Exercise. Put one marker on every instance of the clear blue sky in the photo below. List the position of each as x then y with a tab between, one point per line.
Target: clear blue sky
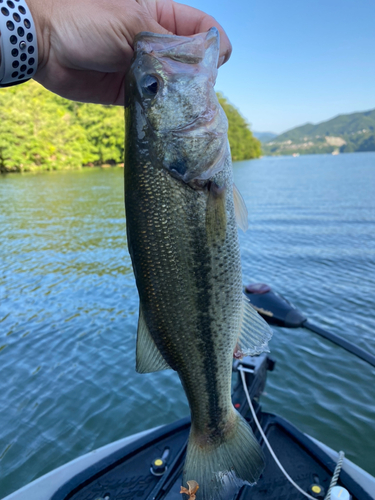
296	61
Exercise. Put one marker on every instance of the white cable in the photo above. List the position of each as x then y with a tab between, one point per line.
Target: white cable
266	440
336	474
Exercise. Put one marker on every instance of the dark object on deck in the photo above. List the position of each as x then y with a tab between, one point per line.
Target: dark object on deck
126	475
276	310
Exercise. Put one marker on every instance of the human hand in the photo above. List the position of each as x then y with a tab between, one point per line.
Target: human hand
85	46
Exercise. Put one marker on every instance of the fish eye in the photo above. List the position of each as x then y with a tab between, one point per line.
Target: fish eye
150	85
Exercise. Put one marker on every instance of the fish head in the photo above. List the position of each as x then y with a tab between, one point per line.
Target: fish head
171	87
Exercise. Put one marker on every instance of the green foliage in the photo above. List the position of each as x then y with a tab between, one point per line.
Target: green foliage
365	143
40	130
105	131
243	145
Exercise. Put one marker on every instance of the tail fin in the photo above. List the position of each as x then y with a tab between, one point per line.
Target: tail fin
220	470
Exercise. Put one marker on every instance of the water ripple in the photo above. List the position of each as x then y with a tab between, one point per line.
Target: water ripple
69	309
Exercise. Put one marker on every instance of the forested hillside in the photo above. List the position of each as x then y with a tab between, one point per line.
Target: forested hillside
344	133
42	131
243	144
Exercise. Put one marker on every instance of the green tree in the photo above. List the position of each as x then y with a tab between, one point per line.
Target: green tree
243	145
40	130
368	143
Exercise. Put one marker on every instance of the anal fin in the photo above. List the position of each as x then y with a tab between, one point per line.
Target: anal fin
148	357
254	333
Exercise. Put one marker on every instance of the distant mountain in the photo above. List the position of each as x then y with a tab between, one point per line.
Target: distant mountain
344	133
264	136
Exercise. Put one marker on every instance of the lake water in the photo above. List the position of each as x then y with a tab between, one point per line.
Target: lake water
69	308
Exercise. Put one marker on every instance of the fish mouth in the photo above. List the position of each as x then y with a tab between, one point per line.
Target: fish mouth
186	49
202	125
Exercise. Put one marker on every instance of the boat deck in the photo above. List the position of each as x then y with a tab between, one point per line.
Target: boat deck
126	475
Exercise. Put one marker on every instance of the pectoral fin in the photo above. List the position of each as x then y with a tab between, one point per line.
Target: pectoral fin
255	333
148	357
216	215
240	210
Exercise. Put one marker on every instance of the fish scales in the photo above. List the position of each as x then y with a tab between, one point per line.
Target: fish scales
182	238
186	284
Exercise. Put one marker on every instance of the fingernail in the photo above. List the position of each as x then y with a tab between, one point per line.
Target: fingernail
221	60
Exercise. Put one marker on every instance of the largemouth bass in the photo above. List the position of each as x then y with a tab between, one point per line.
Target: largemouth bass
183	241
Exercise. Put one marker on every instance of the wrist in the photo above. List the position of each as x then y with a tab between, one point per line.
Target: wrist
19	49
24	39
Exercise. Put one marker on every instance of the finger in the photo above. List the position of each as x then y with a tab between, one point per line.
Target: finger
139	19
184	20
84	86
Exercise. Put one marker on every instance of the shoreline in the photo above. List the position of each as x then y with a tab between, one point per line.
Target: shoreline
38	169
